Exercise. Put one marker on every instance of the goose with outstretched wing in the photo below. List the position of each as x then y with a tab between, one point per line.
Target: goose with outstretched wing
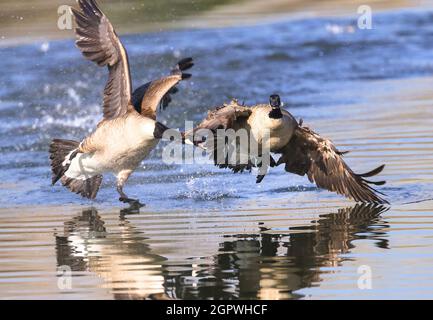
129	130
302	151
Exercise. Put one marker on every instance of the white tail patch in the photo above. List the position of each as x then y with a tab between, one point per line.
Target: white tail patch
83	167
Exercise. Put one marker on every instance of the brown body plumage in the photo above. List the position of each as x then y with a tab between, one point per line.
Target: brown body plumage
127	133
302	151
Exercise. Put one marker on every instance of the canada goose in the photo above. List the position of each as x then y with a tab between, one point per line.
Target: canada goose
124	137
303	151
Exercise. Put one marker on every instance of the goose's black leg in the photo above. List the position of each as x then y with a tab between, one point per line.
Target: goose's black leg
124	198
272	164
122	177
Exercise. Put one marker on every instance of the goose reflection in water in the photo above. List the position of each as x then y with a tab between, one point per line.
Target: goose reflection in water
122	259
265	265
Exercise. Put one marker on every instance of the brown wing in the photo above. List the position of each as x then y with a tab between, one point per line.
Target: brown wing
138	94
318	158
225	117
218	121
99	43
156	90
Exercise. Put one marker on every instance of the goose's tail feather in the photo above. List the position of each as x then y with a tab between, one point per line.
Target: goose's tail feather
86	188
62	152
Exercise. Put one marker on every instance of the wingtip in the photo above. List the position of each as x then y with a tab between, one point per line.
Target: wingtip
382	201
181	66
185	63
377	200
90	7
373	172
377	183
379	197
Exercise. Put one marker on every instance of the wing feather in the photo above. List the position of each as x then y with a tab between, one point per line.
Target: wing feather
224	117
228	116
98	42
309	154
149	96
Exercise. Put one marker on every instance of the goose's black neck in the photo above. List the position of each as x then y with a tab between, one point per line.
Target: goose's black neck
275	103
275	113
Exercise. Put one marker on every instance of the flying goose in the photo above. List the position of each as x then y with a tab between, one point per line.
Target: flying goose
127	133
303	151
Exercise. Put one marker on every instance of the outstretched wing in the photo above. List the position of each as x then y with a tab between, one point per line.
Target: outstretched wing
228	116
99	43
149	96
138	94
222	146
318	158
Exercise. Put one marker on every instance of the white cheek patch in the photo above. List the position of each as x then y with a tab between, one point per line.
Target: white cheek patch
82	167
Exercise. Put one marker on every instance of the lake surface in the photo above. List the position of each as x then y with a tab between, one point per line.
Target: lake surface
207	233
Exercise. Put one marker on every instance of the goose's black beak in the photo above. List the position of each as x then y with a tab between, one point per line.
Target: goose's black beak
274	101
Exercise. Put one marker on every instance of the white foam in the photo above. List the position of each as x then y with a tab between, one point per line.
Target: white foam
339	29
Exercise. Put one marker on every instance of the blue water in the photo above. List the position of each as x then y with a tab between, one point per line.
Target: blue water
58	94
206	232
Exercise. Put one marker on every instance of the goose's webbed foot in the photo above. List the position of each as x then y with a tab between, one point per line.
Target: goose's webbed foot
130	201
134	206
260	178
134	203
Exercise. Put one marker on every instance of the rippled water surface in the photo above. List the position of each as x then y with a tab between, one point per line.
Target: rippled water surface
206	233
